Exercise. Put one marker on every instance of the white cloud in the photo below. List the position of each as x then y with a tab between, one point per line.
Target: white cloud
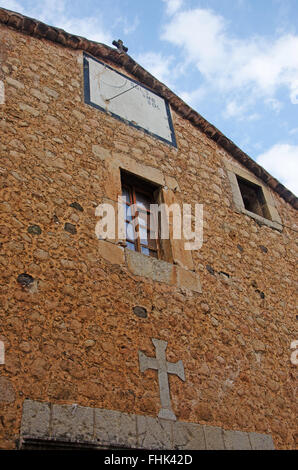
157	65
87	27
12	5
275	104
253	117
294	92
195	96
257	66
239	111
128	25
234	109
57	13
173	6
293	131
281	161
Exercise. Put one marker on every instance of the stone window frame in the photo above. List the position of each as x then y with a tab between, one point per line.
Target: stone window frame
134	185
233	172
179	269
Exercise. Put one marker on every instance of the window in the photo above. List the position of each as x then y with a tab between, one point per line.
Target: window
141	221
253	198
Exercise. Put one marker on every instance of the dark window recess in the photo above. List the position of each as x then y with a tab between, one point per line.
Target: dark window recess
253	198
141	223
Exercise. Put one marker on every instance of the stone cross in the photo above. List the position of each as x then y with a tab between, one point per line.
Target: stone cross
163	368
120	46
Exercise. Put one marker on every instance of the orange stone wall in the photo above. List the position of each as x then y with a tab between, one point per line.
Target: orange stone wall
74	337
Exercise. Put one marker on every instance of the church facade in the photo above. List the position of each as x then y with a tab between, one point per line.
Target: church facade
178	342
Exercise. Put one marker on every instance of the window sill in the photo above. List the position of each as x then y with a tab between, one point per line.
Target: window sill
260	219
233	172
161	271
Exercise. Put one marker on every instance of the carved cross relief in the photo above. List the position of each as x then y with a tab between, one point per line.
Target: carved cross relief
163	368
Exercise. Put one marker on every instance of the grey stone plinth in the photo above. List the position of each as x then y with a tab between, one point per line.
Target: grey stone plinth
112	428
154	433
214	438
187	436
35	419
261	441
101	428
236	440
72	422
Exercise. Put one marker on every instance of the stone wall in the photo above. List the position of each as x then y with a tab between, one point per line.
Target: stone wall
72	335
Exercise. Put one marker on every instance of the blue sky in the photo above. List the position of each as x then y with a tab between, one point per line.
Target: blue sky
234	61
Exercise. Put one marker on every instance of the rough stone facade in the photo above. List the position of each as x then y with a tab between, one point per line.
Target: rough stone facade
71	334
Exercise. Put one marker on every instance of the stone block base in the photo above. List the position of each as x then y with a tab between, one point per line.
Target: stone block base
98	428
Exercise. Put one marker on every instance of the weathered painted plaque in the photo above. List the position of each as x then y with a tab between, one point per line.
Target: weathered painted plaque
125	99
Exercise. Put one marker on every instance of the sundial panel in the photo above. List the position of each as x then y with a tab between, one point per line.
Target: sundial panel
128	100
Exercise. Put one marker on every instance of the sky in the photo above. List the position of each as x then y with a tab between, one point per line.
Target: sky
234	61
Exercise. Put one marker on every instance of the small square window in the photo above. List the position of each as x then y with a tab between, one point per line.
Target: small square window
253	198
141	221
